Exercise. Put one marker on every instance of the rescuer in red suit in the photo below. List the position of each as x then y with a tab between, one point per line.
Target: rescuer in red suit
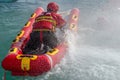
44	30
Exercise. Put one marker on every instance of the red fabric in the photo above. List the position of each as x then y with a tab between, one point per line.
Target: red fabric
48	25
43	25
60	21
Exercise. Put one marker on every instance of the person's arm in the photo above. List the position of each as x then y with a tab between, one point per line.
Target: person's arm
60	22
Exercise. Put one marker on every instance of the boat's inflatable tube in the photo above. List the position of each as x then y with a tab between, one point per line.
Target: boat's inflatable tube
21	64
73	19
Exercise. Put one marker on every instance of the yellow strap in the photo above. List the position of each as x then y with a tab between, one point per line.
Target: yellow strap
27	24
46	18
25	64
42	30
75	17
53	51
43	17
25	61
73	27
21	33
53	21
13	50
33	15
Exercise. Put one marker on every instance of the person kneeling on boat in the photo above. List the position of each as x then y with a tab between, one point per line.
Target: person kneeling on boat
44	30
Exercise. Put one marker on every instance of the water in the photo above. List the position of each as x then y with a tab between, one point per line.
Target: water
1	1
94	52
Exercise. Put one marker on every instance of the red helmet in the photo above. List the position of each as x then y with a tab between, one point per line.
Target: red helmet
52	6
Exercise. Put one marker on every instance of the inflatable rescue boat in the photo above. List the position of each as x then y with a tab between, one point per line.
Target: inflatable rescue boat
20	64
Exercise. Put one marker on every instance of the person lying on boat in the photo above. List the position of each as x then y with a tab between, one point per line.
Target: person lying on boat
44	30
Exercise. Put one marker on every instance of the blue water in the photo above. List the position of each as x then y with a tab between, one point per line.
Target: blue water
1	1
96	54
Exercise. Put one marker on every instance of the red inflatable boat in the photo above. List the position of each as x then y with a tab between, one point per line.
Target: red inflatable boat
21	64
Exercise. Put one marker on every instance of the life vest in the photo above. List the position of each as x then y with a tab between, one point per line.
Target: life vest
44	22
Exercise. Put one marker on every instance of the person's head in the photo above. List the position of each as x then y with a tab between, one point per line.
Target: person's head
52	7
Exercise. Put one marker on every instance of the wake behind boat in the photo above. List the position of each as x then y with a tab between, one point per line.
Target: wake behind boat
21	64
